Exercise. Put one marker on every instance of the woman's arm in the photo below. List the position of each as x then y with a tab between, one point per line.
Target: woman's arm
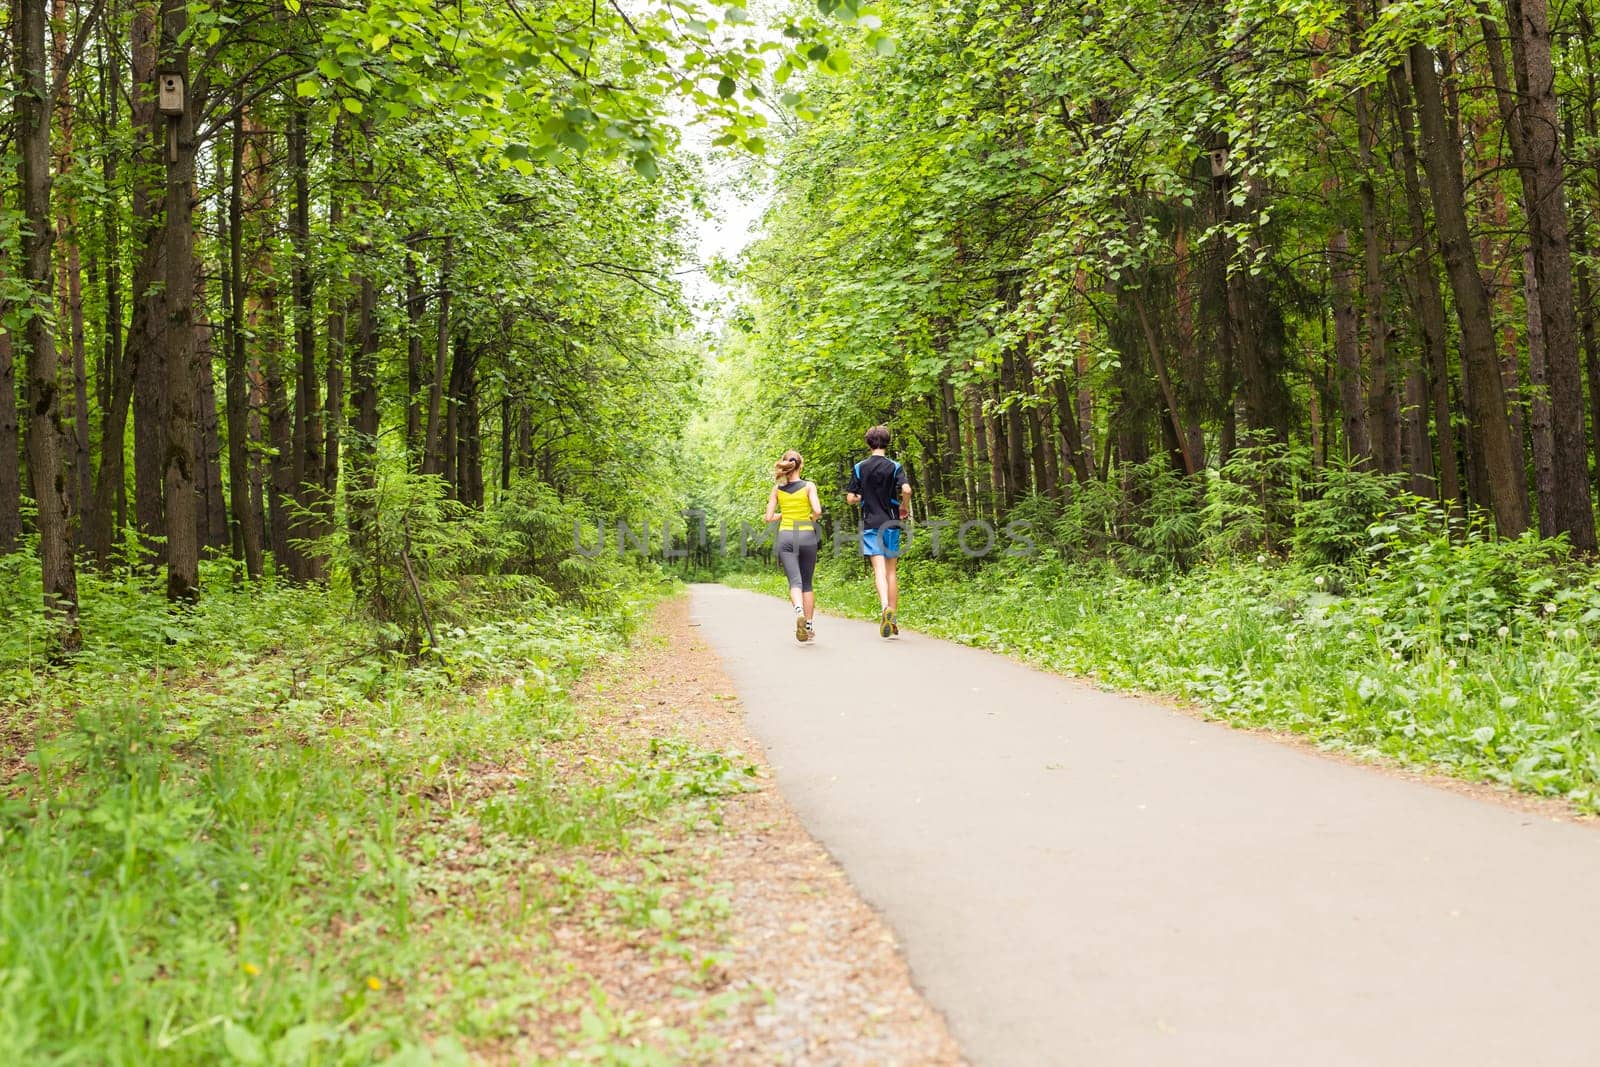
816	502
772	505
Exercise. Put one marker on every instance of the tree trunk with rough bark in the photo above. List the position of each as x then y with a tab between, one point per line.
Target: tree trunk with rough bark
1430	304
304	526
45	431
246	520
1568	506
183	547
10	458
1347	352
70	278
145	340
1487	394
432	458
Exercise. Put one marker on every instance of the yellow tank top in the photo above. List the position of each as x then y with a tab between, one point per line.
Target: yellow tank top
794	507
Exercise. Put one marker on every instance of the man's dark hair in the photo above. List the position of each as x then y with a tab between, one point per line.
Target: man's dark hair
878	437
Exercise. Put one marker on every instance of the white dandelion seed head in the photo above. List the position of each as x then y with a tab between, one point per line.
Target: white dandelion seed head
1504	631
1318	580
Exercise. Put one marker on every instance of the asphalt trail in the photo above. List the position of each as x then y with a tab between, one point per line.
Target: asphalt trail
1087	879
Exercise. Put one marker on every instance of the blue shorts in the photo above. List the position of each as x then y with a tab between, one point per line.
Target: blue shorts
884	542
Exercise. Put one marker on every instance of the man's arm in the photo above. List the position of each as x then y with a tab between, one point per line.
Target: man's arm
905	500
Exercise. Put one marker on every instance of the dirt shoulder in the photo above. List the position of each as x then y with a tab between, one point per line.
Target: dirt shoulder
805	972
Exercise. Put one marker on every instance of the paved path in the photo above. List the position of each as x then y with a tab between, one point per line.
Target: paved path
1086	879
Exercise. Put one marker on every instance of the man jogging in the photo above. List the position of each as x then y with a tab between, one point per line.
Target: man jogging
879	485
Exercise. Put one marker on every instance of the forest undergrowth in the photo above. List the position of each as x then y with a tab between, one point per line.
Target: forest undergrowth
258	832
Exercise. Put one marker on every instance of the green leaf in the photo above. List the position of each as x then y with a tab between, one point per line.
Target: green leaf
884	45
817	52
244	1046
352	105
726	86
306	87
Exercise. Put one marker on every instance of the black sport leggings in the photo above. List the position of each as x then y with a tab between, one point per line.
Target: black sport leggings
797	552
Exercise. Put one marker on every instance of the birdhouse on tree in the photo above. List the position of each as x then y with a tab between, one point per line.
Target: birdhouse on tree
169	94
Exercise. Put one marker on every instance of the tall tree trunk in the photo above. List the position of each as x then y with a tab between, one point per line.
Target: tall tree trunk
338	298
432	460
116	378
1085	393
1416	451
364	441
982	465
308	439
145	342
280	436
208	436
1586	325
236	382
1540	426
32	110
1040	457
507	428
455	395
1347	351
415	304
1072	448
1580	243
1487	394
183	548
469	468
956	464
1430	305
70	281
1568	507
1192	368
10	460
1179	437
1382	402
999	455
1016	434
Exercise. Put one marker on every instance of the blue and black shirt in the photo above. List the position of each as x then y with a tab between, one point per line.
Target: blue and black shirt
878	481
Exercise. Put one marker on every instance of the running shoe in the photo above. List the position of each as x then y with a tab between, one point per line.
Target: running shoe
811	631
801	629
894	623
886	623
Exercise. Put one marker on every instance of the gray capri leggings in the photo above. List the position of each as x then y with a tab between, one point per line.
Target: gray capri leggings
797	552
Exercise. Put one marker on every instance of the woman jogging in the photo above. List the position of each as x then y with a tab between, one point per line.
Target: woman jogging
794	506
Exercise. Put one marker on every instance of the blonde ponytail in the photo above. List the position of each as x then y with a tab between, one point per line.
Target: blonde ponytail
789	465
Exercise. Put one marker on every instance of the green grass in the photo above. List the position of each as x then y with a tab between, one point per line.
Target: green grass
250	834
1475	658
